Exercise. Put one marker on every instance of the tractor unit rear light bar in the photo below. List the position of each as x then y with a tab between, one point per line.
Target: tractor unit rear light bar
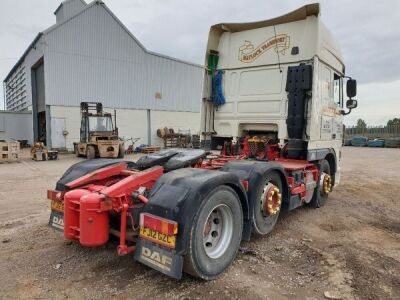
158	224
53	195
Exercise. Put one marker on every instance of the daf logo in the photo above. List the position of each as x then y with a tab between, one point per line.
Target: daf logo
58	221
156	258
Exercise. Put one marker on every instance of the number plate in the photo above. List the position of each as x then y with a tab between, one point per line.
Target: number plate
57	205
157	237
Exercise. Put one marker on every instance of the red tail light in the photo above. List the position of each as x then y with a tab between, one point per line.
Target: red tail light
158	224
52	195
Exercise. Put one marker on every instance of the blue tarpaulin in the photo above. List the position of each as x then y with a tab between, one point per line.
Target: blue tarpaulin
376	143
359	141
218	97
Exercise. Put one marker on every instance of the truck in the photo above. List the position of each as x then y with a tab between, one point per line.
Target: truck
98	135
273	106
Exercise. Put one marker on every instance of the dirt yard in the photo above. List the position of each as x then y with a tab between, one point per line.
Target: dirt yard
349	249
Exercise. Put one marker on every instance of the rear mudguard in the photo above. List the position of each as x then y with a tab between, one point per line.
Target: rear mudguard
253	172
177	196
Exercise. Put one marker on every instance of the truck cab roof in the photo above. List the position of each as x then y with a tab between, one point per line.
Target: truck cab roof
297	36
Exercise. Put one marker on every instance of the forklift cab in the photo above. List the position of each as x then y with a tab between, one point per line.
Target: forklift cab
98	135
92	124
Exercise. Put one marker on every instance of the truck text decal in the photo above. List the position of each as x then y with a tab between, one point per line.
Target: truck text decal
154	257
248	54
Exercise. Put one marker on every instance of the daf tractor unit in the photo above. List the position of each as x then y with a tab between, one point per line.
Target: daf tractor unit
273	106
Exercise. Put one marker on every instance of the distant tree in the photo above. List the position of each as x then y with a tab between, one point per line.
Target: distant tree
395	121
361	124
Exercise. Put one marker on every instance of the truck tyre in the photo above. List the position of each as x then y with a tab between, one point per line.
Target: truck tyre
268	203
324	185
90	152
215	235
121	151
76	151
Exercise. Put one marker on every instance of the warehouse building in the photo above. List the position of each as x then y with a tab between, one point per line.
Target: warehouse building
89	55
16	125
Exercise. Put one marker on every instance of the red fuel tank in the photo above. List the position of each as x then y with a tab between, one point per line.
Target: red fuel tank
71	213
94	223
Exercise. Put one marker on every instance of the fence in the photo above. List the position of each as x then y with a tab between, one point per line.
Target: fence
374	132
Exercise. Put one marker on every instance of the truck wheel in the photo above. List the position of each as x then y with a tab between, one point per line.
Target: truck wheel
324	185
215	235
121	151
268	204
90	152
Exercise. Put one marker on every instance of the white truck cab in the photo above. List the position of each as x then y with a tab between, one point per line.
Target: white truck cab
252	62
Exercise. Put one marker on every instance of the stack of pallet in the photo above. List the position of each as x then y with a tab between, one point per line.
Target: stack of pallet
174	140
150	149
196	141
9	151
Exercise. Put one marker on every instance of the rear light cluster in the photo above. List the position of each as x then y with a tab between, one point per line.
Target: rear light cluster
53	195
158	224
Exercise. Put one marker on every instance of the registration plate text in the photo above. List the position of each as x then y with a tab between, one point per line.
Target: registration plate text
157	237
57	205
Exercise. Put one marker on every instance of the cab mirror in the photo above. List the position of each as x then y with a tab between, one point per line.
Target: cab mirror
351	104
351	88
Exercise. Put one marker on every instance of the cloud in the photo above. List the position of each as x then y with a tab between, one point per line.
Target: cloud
374	108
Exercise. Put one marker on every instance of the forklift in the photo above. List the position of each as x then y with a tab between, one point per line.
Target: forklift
98	134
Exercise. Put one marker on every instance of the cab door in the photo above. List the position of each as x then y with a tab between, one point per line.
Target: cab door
332	101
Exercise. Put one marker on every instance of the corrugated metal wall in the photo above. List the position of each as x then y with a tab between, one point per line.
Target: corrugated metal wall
16	126
92	58
33	56
67	9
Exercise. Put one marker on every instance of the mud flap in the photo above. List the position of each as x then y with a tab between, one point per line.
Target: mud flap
56	220
161	259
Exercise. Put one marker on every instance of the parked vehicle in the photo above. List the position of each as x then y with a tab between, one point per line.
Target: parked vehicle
274	107
98	135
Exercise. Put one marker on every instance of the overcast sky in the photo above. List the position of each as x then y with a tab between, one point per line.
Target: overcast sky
367	31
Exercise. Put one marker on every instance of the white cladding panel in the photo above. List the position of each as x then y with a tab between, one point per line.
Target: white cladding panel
92	58
130	122
179	121
16	126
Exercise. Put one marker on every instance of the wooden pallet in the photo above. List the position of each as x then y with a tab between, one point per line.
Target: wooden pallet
151	149
176	141
196	141
9	151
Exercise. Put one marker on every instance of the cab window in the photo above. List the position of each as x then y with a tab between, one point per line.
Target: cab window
338	90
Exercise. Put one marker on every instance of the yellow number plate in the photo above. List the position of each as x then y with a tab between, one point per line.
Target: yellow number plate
57	205
157	237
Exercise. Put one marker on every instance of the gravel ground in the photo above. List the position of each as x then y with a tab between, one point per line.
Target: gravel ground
349	249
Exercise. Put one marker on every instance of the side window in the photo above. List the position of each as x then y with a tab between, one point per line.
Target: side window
338	90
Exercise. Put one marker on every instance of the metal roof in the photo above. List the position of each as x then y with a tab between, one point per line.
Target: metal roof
293	16
88	6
